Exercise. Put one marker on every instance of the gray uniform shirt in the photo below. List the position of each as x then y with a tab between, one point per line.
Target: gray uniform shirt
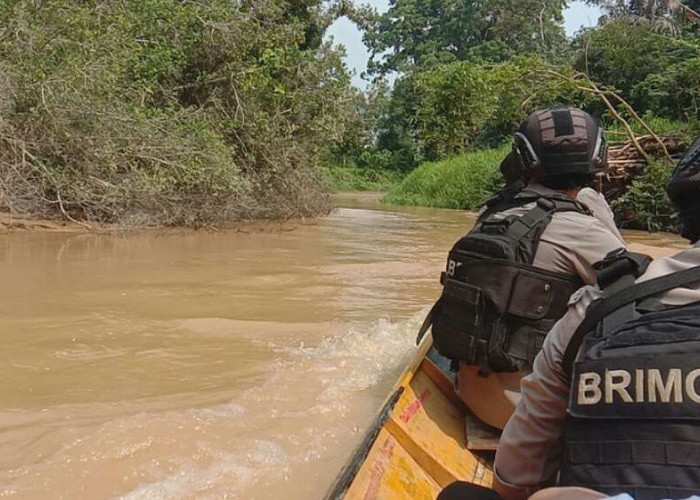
573	242
528	455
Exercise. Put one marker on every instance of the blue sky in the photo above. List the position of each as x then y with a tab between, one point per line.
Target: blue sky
344	32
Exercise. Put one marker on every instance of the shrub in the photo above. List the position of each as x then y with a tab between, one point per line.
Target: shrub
462	182
154	112
359	179
645	205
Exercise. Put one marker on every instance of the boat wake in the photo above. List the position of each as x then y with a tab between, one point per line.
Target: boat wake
285	435
311	409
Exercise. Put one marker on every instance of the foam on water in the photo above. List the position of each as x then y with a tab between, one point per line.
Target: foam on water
286	436
296	419
361	358
226	477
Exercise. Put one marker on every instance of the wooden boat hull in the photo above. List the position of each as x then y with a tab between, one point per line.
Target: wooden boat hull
417	445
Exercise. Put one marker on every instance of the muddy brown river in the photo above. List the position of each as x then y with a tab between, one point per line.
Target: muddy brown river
179	365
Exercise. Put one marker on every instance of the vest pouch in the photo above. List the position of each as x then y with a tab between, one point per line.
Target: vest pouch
457	327
495	279
532	296
499	338
480	244
524	342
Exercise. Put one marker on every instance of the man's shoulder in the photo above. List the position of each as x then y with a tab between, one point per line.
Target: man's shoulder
579	218
583	226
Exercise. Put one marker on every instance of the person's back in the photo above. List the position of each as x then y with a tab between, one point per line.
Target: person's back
573	241
560	153
631	423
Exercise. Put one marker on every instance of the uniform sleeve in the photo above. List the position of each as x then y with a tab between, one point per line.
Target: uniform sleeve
592	246
600	209
529	452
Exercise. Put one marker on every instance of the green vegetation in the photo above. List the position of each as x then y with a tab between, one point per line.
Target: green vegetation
414	34
162	112
464	182
646	205
468	78
360	179
664	127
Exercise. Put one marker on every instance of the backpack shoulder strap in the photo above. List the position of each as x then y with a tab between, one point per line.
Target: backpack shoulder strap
619	270
534	222
604	307
505	200
511	198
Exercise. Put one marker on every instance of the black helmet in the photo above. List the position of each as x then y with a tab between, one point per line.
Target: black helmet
684	191
558	143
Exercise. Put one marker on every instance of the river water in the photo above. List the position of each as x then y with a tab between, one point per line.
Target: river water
177	365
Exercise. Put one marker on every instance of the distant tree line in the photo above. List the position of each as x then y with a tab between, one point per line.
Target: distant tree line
469	72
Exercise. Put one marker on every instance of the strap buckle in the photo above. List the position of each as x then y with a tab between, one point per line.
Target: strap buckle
619	263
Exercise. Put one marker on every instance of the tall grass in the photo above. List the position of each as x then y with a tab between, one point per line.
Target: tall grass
663	127
462	182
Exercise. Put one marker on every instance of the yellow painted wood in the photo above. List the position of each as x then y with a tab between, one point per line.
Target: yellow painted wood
432	430
443	382
422	447
390	473
416	363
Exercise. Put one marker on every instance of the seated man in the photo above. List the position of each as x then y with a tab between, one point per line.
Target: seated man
509	280
613	401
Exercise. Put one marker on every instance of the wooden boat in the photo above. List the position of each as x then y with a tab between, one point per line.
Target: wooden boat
418	443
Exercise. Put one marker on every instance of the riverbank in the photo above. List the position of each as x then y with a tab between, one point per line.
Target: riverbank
10	223
657	243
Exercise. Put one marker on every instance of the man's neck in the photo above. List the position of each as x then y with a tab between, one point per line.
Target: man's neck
571	193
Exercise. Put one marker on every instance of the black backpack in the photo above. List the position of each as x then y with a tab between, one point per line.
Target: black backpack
496	306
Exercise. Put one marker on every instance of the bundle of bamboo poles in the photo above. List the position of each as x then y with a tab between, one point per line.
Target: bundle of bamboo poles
627	162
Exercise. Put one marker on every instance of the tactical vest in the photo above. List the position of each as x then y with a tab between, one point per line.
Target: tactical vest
633	422
496	306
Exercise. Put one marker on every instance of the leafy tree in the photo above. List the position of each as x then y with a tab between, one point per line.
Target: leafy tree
622	55
424	34
647	8
461	105
673	93
669	16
